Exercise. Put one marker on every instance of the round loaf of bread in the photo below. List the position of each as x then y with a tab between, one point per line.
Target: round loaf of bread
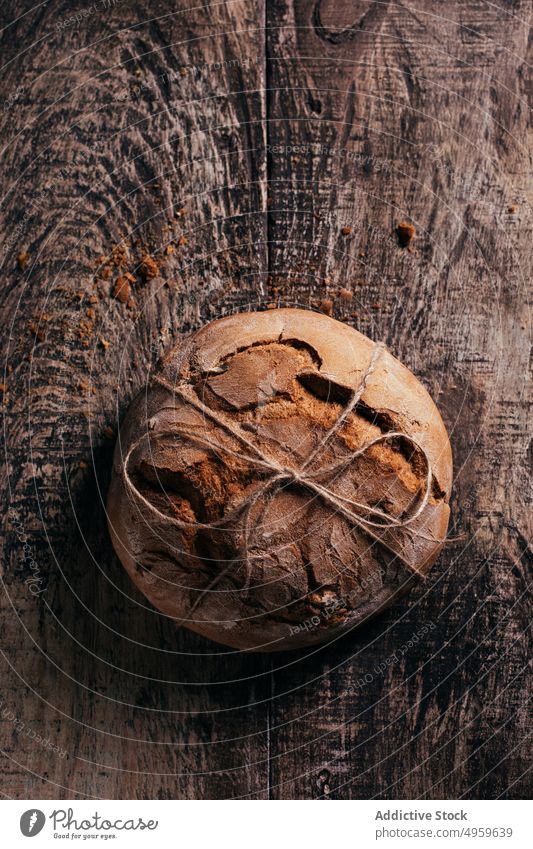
281	479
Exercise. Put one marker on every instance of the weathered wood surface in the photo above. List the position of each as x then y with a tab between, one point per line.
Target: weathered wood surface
273	128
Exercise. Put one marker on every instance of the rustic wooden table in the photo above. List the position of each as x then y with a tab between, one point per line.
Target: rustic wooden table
262	155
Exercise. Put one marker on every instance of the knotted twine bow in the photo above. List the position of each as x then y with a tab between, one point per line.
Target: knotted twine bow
281	475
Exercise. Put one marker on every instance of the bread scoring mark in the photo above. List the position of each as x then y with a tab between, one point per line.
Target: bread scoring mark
256	376
298	344
253	376
301	345
323	388
329	391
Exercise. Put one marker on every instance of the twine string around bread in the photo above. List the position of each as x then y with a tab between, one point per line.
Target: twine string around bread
369	519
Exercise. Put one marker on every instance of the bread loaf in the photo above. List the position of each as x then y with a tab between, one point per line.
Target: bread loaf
281	479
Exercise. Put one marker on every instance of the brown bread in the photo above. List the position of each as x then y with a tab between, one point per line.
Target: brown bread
244	500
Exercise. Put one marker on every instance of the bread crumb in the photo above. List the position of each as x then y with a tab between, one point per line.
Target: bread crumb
345	294
325	306
149	267
346	231
405	233
122	290
23	259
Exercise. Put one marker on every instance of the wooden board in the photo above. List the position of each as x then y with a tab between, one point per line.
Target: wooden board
262	155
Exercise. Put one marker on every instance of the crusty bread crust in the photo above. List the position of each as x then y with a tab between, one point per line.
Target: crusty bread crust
280	377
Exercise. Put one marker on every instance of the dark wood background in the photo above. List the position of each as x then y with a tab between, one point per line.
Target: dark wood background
234	142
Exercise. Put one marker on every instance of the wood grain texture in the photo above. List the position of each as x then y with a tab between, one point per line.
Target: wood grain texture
256	136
